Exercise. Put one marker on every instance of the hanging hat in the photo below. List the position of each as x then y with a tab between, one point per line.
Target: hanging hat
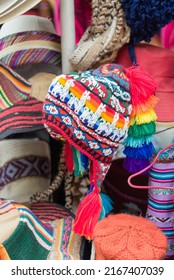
25	237
19	112
128	237
11	9
24	168
93	111
158	62
101	41
29	39
145	19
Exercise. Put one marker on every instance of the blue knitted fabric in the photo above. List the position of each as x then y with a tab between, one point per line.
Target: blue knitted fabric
147	17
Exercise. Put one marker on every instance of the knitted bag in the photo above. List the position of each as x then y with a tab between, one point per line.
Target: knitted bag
93	111
160	209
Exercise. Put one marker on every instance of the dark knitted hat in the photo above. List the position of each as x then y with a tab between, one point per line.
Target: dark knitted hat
146	18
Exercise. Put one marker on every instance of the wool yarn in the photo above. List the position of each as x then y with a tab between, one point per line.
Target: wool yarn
101	41
128	237
146	18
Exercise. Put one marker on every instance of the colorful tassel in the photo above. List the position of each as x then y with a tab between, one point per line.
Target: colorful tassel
80	162
138	131
138	145
93	207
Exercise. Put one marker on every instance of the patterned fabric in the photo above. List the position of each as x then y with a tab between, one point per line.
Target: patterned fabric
31	240
13	88
98	102
161	201
30	47
24	167
18	111
66	245
25	116
48	212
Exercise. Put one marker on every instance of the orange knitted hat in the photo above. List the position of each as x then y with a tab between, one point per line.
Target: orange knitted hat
128	238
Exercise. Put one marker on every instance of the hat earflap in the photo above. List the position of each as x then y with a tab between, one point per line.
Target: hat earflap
95	205
138	145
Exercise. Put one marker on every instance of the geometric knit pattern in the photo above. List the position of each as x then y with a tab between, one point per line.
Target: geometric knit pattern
161	201
24	167
91	110
21	55
31	240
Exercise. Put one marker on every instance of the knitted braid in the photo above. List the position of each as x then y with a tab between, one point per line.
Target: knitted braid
102	40
41	196
69	178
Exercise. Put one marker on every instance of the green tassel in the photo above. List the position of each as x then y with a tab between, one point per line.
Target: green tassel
142	130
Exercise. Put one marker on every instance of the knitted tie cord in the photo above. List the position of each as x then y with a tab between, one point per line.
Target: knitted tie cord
41	196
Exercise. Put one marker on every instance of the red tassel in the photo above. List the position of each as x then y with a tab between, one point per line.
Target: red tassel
69	157
88	214
142	85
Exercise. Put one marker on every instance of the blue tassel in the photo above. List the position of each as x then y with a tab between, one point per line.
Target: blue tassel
107	205
137	142
144	152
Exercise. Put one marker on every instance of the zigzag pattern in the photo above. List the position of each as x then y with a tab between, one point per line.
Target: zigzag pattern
24	167
160	219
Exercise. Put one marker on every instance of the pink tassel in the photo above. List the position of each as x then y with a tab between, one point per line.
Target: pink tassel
69	157
142	85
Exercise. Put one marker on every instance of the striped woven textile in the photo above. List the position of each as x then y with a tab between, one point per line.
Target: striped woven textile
30	47
31	240
161	201
24	236
18	111
25	116
48	212
13	88
66	244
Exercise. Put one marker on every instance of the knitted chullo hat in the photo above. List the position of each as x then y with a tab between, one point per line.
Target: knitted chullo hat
24	236
146	18
93	111
128	237
101	41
